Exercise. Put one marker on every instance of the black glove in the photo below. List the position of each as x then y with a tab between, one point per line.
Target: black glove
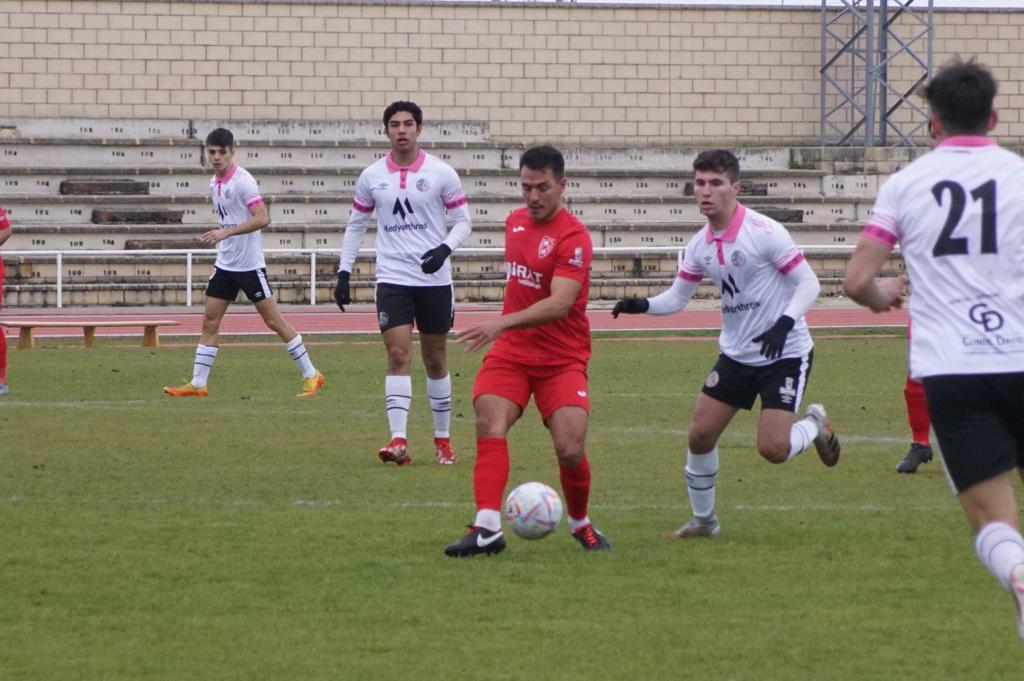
774	339
432	260
342	295
630	306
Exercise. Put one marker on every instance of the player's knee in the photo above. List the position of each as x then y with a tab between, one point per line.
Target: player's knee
700	442
569	456
773	452
399	359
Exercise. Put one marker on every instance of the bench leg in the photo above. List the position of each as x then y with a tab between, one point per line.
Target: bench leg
90	334
150	339
25	338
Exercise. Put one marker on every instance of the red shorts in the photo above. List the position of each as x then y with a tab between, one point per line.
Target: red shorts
553	387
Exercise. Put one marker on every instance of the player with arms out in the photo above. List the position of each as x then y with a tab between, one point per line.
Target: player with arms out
5	234
411	191
958	215
765	348
239	266
541	346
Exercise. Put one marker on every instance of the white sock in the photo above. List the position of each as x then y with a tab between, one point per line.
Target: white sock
1001	549
802	435
205	354
489	519
701	473
297	349
577	524
439	390
397	398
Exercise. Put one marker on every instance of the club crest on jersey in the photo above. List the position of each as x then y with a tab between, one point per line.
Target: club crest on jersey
423	184
738	259
577	258
228	193
547	244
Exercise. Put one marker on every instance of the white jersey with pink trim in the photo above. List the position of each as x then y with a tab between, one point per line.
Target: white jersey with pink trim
748	262
233	196
958	216
411	203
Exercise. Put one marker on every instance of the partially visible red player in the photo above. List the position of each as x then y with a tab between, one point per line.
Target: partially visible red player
541	347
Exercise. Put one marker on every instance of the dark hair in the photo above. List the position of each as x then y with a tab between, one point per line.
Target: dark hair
411	107
221	137
961	96
718	161
544	156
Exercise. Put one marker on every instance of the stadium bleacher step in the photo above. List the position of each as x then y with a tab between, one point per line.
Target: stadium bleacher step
156	216
104	186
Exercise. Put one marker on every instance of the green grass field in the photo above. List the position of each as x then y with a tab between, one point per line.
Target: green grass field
253	535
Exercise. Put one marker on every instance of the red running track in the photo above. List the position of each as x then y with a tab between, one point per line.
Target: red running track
326	319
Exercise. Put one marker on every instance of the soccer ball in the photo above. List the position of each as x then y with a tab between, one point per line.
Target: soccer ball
533	510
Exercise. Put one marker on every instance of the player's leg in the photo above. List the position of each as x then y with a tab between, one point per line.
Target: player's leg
979	423
780	436
435	309
728	388
500	393
920	426
395	314
220	291
312	379
563	400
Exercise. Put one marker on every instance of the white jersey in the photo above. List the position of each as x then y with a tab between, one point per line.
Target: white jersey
411	204
958	215
233	196
748	262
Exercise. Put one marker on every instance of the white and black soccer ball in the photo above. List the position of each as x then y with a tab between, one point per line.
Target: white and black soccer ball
533	510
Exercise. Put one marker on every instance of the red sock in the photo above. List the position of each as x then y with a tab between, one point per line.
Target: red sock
490	472
576	488
917	411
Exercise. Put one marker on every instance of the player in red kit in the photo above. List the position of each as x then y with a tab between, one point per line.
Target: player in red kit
5	234
541	347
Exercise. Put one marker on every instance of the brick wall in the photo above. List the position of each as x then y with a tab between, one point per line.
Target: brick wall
570	73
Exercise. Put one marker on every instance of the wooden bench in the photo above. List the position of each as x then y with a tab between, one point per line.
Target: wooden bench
26	326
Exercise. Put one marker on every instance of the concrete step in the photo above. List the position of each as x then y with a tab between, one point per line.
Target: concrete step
307	131
180	182
28	210
283	234
104	186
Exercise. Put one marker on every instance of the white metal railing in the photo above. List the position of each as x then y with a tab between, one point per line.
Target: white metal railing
189	254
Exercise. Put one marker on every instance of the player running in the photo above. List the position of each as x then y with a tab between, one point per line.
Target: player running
766	350
958	216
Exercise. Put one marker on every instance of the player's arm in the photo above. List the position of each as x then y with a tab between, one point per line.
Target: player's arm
860	282
355	228
259	218
454	198
5	229
673	300
805	291
564	292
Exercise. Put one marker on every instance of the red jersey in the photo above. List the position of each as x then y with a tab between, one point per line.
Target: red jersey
4	222
534	254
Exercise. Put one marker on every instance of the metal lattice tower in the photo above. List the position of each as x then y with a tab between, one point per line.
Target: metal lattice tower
871	64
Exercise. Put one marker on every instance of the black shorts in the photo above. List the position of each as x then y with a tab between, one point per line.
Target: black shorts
979	422
225	284
431	307
780	384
